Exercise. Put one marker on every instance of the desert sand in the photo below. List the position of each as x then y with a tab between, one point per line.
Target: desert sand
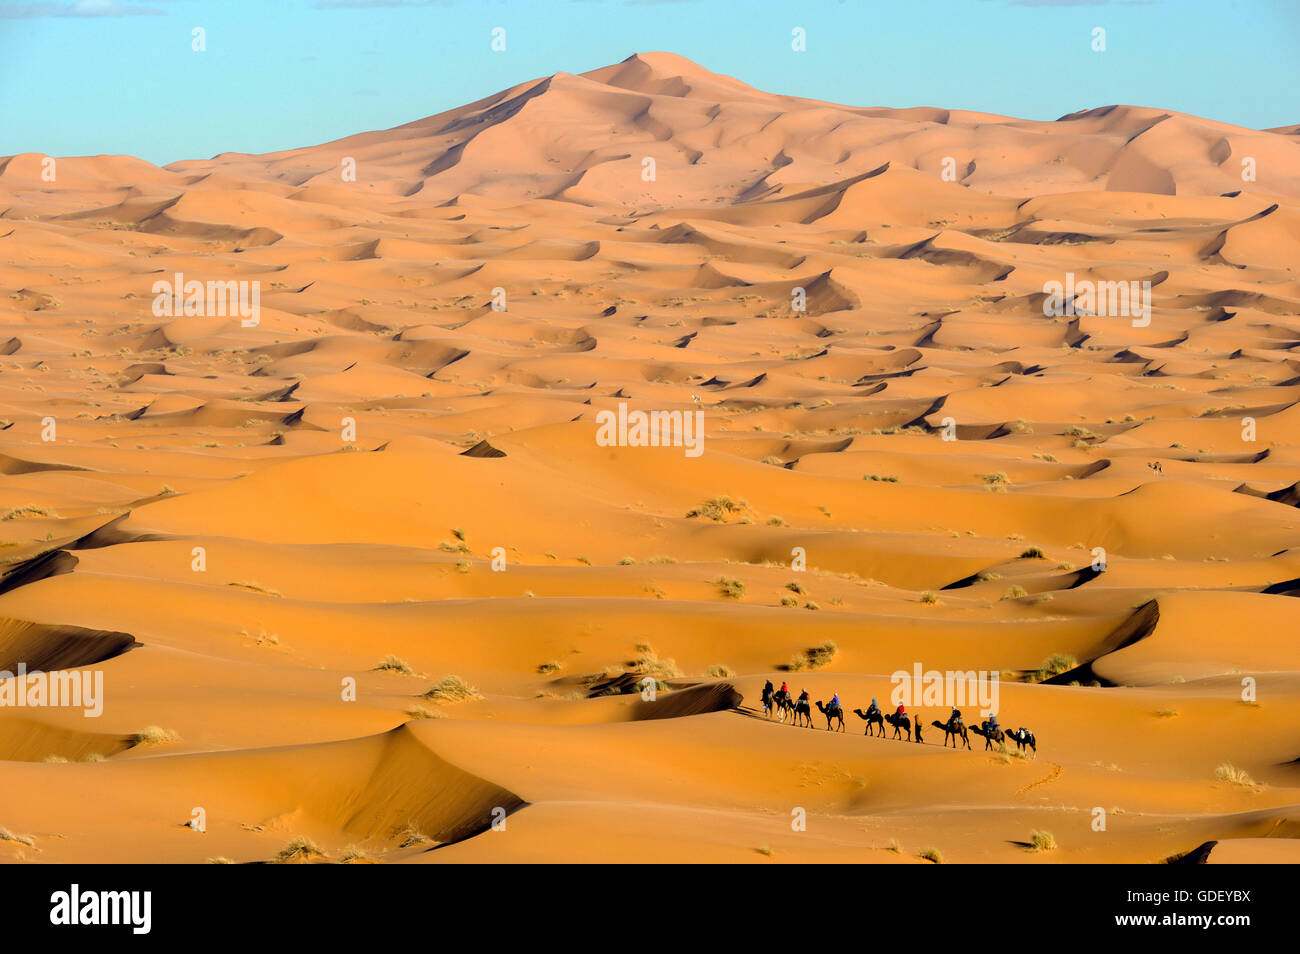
235	523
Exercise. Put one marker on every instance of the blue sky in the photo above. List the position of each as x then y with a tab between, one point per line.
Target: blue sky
87	77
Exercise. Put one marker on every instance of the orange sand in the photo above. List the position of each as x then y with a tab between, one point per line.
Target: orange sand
327	551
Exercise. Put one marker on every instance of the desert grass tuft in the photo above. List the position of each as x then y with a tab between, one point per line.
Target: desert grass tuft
27	510
452	689
1041	841
813	658
420	712
1056	664
411	836
391	663
301	850
731	588
7	835
1227	772
719	509
154	735
649	664
353	854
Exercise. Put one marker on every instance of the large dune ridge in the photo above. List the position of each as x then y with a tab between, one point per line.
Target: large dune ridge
364	584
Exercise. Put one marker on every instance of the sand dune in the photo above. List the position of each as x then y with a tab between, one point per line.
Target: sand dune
357	569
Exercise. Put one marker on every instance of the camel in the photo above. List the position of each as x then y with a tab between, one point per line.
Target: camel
952	729
783	704
873	718
900	723
1023	737
1155	465
996	735
803	711
768	693
832	712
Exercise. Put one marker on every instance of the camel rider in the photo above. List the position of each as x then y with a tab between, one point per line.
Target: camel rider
785	690
835	701
768	687
803	696
955	717
992	724
900	711
873	709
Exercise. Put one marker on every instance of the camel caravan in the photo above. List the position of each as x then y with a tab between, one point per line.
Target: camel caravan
782	704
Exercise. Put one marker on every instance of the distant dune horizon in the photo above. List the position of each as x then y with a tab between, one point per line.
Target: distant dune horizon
669	75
